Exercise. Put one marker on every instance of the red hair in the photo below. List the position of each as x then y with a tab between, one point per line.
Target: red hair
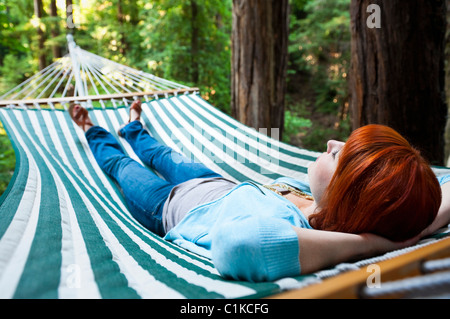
381	185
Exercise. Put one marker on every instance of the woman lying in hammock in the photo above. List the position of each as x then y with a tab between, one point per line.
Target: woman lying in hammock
373	194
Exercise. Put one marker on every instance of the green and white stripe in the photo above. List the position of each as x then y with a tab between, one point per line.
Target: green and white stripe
65	231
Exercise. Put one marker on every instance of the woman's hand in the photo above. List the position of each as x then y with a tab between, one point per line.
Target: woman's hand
380	245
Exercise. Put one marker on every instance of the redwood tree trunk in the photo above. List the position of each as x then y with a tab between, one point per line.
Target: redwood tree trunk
123	48
447	85
259	62
70	20
397	74
38	11
195	77
55	29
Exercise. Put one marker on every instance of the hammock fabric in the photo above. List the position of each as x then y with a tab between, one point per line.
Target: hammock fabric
65	231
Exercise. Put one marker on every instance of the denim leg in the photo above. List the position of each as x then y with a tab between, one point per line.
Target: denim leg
173	166
144	192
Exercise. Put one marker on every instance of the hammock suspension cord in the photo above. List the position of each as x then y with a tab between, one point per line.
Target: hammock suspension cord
84	77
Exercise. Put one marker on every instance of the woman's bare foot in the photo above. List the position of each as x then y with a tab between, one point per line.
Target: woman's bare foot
135	111
135	114
80	116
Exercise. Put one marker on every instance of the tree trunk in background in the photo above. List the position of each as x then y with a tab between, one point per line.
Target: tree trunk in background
397	73
38	11
259	62
194	42
123	47
70	20
447	85
55	29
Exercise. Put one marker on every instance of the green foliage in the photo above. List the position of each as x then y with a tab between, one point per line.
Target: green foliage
11	64
8	44
319	64
189	41
7	160
320	46
318	135
294	126
16	58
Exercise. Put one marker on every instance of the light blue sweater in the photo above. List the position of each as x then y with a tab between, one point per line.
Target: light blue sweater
248	232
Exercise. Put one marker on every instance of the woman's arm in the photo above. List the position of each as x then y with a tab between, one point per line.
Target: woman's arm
443	216
267	249
321	249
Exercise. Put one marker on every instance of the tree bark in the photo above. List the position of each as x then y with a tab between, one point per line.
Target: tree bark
447	84
195	76
259	62
55	29
70	20
38	11
397	73
123	48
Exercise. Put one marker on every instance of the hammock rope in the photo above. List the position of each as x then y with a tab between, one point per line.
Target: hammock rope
90	78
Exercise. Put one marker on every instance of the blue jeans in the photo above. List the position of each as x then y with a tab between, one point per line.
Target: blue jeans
145	192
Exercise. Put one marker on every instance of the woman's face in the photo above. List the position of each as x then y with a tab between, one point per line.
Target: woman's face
322	170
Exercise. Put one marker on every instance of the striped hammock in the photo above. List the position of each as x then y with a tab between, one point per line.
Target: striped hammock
65	231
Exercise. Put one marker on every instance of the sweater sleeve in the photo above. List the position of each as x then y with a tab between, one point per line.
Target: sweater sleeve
444	179
256	249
